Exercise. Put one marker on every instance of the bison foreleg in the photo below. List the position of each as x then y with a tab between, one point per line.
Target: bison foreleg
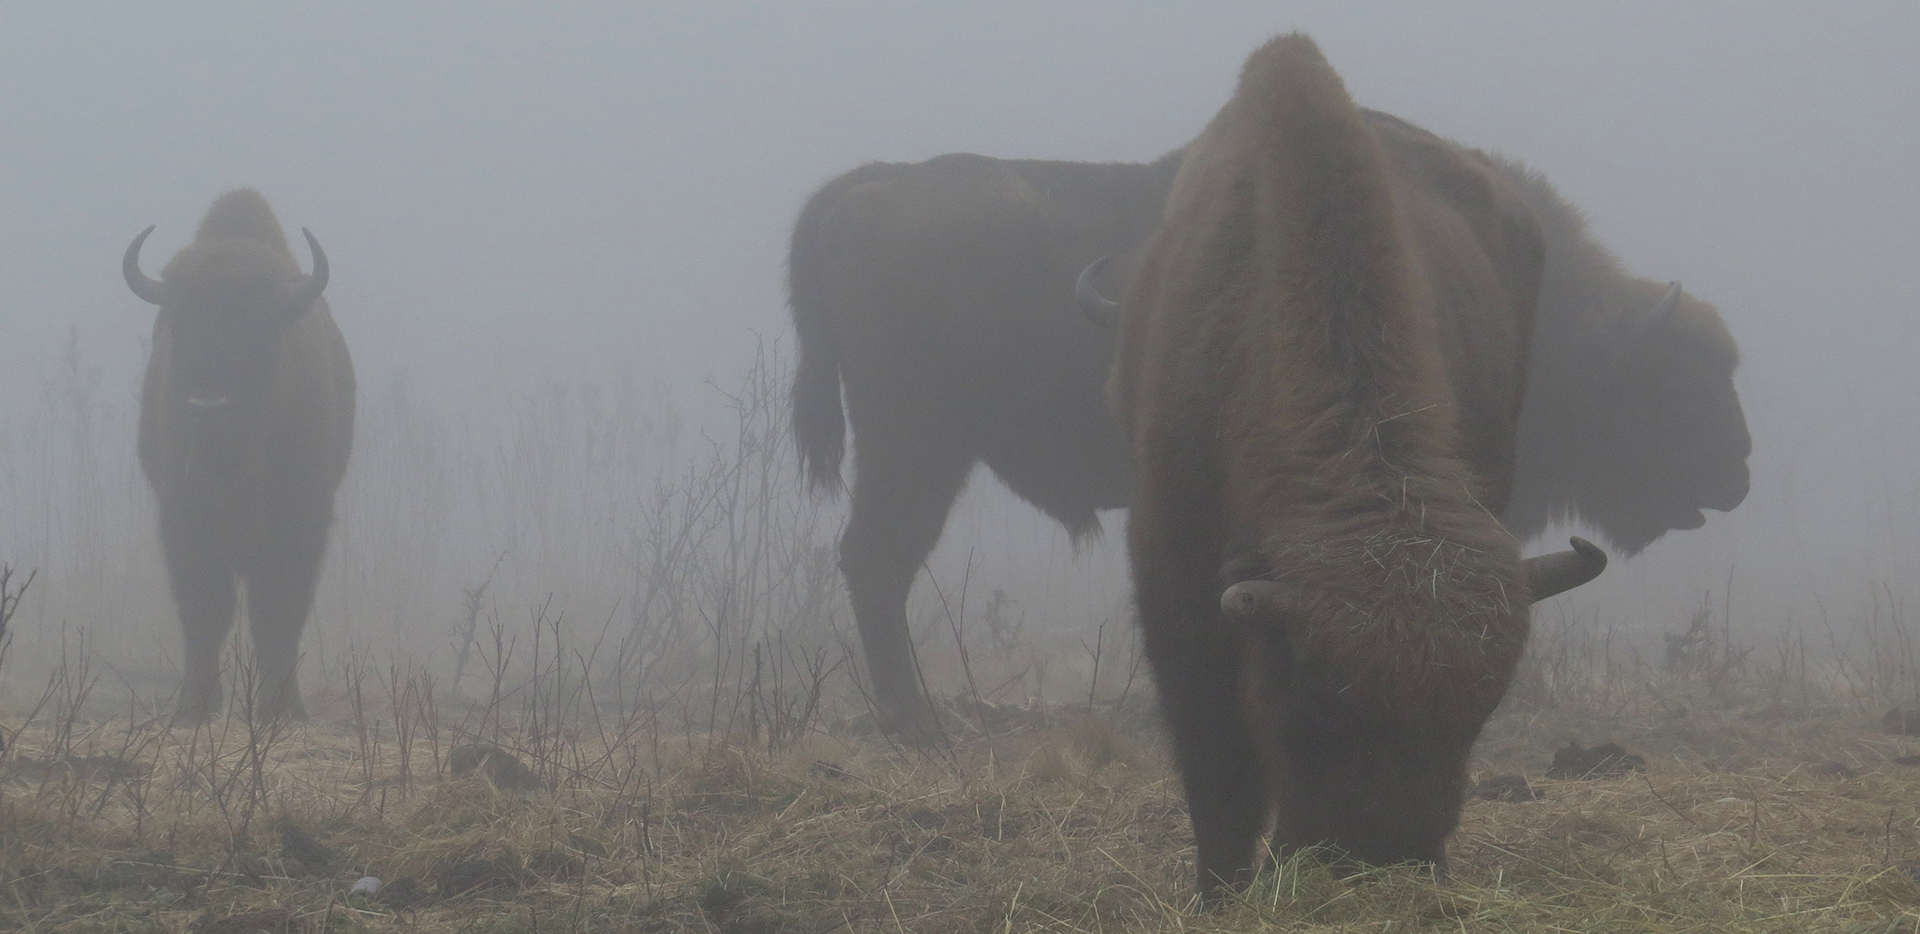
280	586
1226	793
203	589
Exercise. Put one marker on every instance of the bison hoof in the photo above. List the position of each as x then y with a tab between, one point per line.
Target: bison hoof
197	708
283	711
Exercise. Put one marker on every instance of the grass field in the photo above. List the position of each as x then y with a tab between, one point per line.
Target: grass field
1774	798
698	760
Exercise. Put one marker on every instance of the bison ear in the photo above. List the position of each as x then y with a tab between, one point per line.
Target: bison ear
1562	571
1260	602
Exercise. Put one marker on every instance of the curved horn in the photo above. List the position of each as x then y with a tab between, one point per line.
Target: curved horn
1658	313
302	291
1257	600
1562	571
1098	308
150	290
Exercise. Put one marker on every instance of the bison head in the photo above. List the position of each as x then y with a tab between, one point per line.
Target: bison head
1363	774
1634	425
225	304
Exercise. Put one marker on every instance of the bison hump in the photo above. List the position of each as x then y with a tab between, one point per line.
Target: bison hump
243	214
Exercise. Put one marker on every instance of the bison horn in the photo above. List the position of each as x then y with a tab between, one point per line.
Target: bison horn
1562	571
1258	600
302	291
150	290
1098	308
1660	311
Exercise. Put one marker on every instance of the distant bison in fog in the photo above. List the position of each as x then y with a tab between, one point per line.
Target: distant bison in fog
1320	373
246	420
1632	422
939	297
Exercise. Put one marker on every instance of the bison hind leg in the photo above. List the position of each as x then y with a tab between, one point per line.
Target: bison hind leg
903	488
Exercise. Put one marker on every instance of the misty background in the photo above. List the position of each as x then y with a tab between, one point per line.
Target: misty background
558	239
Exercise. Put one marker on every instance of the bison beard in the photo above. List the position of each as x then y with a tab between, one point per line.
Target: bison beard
246	421
1319	373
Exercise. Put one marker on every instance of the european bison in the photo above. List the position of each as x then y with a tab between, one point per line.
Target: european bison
1320	370
246	420
940	297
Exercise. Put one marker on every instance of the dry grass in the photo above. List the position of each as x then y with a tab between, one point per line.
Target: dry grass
698	763
1762	809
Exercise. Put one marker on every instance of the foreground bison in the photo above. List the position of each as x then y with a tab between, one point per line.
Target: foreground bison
246	419
940	297
1320	371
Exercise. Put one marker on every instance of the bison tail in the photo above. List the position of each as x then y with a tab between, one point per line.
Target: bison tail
819	423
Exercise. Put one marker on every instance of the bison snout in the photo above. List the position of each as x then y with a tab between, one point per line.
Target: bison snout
1732	490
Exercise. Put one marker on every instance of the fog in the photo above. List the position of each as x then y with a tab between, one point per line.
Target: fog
558	234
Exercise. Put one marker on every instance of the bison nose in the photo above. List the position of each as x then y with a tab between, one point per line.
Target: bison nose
204	404
1732	491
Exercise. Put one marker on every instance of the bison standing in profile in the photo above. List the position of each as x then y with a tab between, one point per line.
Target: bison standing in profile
934	294
1320	372
939	297
246	420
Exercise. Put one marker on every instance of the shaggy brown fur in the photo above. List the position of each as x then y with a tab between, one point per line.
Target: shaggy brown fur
246	420
1319	372
951	280
1675	439
943	366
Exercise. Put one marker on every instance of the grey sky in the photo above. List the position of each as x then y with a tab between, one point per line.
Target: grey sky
607	188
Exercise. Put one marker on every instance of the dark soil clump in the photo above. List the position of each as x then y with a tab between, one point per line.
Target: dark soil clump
1607	760
501	767
1509	788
